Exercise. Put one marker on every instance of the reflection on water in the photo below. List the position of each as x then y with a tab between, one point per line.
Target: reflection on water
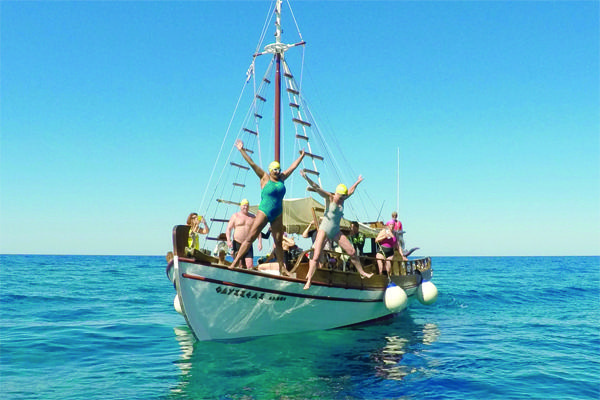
325	364
389	359
186	341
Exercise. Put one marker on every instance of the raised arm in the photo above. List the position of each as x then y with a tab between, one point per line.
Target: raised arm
257	170
315	186
294	165
353	187
204	230
381	235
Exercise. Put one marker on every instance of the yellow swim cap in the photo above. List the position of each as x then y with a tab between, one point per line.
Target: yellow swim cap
244	201
274	165
341	189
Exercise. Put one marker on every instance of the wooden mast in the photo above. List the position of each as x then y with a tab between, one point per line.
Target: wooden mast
278	49
278	53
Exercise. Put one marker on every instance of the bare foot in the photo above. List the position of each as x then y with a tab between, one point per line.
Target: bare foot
365	275
307	285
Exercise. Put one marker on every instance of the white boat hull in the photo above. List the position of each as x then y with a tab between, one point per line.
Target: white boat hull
219	303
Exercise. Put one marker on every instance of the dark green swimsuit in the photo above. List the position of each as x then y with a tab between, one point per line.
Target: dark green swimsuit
271	199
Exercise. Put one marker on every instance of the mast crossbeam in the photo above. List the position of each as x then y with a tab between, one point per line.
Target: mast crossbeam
299	121
235	203
314	156
218	220
240	166
310	171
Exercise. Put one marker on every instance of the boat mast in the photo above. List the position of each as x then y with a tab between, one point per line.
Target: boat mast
278	49
278	55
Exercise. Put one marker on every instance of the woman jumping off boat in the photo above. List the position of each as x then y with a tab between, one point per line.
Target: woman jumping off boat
330	226
270	208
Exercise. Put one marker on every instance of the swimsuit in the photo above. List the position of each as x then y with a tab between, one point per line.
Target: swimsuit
387	246
249	253
271	199
387	251
193	242
331	220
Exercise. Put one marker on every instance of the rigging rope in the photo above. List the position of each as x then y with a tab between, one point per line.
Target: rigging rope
252	119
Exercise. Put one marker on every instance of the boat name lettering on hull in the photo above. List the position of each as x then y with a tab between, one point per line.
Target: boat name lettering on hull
249	294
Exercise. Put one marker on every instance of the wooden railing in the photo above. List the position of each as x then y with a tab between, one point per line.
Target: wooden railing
342	261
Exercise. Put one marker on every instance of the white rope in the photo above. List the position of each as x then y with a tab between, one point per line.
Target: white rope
324	147
222	145
266	24
294	18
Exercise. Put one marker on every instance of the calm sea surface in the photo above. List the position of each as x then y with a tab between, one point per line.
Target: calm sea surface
96	327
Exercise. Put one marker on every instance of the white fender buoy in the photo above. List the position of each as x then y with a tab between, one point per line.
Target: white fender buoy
395	298
177	305
427	293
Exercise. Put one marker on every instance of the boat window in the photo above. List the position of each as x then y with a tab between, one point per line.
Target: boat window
369	246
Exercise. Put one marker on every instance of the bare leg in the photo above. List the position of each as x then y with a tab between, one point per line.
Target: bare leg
349	249
259	223
249	263
312	263
380	259
277	232
388	265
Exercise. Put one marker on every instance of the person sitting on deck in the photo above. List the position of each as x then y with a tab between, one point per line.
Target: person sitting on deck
221	249
290	251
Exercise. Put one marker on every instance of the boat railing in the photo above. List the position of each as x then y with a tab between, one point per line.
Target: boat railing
333	260
341	261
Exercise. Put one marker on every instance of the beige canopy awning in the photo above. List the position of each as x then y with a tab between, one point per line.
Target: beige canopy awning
298	213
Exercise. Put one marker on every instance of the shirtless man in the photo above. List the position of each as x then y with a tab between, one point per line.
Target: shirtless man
240	223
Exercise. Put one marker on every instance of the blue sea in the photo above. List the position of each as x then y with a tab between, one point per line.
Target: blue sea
98	327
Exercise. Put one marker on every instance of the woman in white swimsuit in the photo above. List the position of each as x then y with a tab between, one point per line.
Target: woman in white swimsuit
330	226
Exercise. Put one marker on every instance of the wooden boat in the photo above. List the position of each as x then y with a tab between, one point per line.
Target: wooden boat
220	303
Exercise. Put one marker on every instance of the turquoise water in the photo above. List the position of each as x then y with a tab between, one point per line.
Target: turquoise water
95	327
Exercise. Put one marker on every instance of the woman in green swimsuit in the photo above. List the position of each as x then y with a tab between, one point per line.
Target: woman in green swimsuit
271	205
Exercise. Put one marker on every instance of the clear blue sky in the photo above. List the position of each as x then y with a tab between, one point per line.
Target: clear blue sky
111	112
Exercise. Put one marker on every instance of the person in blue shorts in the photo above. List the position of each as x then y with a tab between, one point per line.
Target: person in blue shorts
270	209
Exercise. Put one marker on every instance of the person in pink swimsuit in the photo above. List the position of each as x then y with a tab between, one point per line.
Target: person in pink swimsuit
387	243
